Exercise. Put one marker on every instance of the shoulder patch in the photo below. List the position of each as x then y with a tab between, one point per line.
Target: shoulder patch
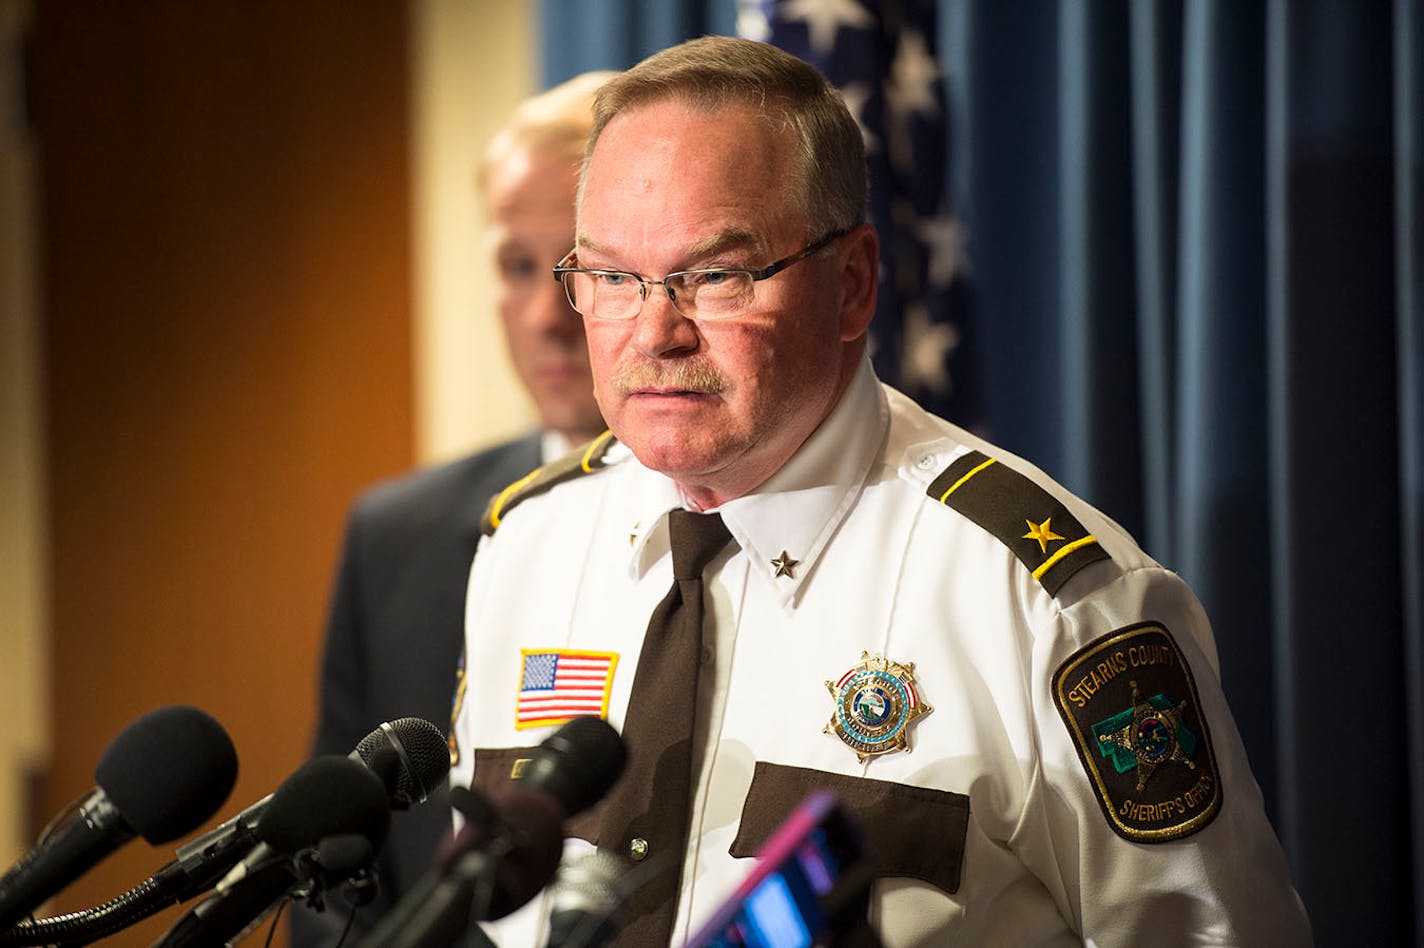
1130	703
577	463
1027	519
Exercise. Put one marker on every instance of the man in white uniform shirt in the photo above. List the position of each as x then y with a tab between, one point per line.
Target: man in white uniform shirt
1019	708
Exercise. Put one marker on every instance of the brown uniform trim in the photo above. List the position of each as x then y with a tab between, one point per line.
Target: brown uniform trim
910	832
1014	509
577	463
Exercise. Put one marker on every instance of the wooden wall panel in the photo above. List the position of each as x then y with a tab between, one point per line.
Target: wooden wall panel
226	299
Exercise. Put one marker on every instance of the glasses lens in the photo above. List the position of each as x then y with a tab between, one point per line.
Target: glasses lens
711	294
603	295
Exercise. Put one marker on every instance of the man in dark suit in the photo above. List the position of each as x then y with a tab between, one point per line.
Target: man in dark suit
395	626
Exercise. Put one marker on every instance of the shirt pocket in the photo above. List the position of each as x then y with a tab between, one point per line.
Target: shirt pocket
497	767
913	832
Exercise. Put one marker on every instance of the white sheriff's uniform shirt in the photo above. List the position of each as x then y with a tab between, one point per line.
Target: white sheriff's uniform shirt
995	827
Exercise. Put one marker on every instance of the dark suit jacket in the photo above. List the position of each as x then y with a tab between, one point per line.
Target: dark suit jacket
394	634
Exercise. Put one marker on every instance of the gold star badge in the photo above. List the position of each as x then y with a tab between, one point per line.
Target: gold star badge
876	702
784	565
1041	532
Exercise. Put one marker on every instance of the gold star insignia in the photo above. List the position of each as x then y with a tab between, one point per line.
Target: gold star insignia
1041	532
785	565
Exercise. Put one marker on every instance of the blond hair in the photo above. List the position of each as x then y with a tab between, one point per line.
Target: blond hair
829	185
555	122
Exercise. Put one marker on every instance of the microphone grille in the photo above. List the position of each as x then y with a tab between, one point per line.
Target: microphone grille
590	883
410	755
168	771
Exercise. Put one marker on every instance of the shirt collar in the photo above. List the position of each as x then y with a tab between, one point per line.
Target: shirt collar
553	446
784	525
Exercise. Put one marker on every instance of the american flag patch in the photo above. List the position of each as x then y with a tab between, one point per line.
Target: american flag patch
557	685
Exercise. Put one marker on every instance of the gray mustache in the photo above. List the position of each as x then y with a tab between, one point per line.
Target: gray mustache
684	375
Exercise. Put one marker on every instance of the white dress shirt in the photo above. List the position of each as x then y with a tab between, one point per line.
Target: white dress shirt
882	567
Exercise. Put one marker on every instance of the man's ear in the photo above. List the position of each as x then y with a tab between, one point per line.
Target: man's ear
860	268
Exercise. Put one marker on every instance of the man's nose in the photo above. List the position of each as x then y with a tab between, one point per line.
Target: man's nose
659	328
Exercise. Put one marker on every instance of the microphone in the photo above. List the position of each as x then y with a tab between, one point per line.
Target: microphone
326	798
411	757
585	899
496	864
161	777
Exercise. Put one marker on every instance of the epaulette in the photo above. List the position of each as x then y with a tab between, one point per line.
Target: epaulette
577	463
1004	502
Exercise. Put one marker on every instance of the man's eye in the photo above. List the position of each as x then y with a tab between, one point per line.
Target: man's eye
614	280
729	280
520	268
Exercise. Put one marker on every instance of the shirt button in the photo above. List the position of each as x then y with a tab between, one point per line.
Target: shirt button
638	849
925	462
707	655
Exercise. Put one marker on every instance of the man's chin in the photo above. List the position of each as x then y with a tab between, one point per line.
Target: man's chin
670	454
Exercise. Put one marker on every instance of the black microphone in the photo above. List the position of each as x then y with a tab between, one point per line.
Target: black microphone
493	866
410	755
330	796
161	777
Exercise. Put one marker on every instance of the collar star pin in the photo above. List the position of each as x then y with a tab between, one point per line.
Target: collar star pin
784	565
876	702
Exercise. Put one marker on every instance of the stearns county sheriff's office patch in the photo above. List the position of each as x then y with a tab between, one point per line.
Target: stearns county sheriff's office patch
1130	702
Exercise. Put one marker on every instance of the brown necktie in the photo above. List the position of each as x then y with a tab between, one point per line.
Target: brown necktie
648	810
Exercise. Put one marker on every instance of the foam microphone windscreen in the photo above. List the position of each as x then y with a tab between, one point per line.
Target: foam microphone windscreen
577	764
344	854
168	772
326	796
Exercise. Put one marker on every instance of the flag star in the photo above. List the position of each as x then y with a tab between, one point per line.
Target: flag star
925	351
824	19
944	235
752	22
856	95
913	76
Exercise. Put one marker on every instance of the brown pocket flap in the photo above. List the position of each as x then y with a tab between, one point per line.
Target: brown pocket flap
917	832
496	767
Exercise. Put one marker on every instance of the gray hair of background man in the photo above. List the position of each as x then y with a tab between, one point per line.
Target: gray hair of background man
557	121
713	72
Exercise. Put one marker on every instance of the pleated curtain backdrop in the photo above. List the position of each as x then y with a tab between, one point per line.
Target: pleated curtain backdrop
1195	237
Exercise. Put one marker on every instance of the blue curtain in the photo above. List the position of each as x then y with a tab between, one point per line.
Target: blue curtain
1196	247
580	35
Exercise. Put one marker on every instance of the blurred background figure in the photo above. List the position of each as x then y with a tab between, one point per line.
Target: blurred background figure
243	279
397	614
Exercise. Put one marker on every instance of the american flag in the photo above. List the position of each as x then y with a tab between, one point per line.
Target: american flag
881	55
556	685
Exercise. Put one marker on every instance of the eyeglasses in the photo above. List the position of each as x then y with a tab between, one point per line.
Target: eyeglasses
697	294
